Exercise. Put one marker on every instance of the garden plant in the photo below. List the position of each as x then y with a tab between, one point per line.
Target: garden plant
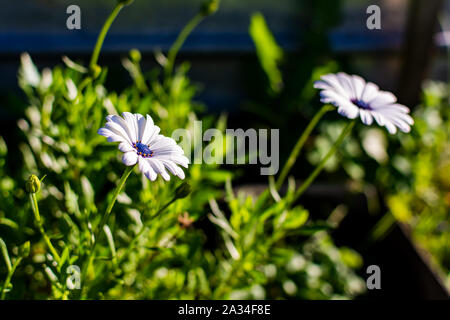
104	204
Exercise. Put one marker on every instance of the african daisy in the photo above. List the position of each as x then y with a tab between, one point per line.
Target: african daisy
141	143
353	96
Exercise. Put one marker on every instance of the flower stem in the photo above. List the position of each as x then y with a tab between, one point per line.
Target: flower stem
299	145
294	155
179	42
8	278
103	32
322	163
107	213
37	217
104	220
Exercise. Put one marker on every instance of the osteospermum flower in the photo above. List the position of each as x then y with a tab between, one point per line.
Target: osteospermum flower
354	97
141	143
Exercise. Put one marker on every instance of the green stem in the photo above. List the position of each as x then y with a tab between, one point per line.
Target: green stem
104	220
107	213
37	217
299	145
322	163
103	32
294	155
8	278
179	42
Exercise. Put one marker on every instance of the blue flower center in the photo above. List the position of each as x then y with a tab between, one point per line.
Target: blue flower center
361	104
142	149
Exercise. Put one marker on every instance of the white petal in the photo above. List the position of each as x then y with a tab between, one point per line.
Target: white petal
346	82
369	92
378	118
162	144
396	114
331	82
141	127
173	168
366	117
125	147
402	125
131	122
143	165
118	129
119	121
390	127
381	99
159	168
151	174
129	158
349	110
146	169
112	136
177	158
147	129
104	132
358	85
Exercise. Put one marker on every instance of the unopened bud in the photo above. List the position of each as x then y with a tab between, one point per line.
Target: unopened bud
125	2
33	184
135	55
183	190
209	7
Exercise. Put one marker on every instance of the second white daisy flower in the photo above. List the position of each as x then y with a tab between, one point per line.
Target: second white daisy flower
354	97
141	143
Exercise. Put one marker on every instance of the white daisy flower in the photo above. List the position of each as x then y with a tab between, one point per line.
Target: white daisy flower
141	143
353	96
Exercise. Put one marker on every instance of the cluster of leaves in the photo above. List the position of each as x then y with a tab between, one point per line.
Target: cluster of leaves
423	171
152	247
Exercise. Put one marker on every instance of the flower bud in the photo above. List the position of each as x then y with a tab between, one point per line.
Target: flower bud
183	191
209	7
135	55
125	2
33	184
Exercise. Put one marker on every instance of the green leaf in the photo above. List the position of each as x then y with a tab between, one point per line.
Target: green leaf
269	52
312	229
5	254
294	219
350	257
8	222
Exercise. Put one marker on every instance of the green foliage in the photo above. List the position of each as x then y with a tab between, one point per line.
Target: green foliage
424	175
163	240
268	51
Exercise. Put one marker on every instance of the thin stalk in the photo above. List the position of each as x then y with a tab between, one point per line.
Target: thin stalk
104	220
173	51
37	217
103	32
8	278
322	163
107	213
294	155
299	145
